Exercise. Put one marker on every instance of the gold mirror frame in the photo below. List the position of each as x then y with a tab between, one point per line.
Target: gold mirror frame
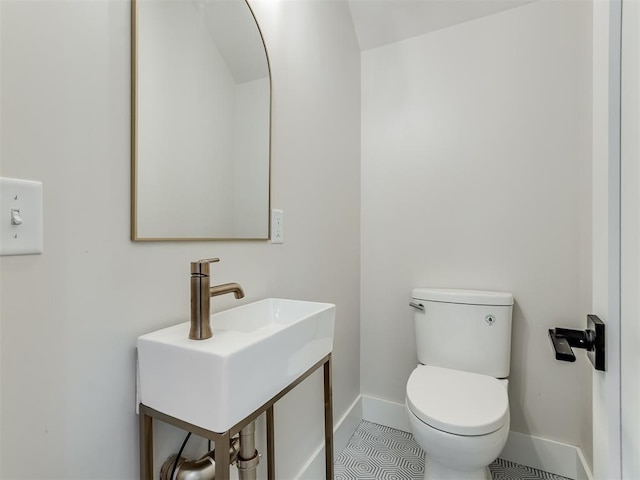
134	140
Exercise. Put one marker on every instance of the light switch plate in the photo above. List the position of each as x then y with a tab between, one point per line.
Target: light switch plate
20	217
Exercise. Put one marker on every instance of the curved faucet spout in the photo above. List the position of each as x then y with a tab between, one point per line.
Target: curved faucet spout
234	288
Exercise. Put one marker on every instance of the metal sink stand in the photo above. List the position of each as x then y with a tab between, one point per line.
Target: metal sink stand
223	440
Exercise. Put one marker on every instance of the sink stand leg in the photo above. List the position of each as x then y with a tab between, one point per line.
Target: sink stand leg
146	446
271	465
223	443
328	420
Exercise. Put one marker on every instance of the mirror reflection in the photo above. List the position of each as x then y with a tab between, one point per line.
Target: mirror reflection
200	121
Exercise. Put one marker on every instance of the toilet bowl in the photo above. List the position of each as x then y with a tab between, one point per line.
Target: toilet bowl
460	419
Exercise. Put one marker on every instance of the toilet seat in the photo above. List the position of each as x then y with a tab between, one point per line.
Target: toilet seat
457	402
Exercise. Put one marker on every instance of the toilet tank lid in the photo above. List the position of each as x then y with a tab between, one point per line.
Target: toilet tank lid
469	297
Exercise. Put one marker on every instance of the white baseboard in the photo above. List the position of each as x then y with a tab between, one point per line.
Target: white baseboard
383	412
342	432
547	455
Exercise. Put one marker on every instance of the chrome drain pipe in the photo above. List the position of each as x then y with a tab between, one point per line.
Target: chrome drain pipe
202	469
248	457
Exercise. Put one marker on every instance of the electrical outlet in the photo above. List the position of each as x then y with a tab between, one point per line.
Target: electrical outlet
277	226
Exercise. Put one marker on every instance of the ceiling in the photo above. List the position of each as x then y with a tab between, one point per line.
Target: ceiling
378	22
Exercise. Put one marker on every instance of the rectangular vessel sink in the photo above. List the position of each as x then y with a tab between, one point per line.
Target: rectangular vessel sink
256	351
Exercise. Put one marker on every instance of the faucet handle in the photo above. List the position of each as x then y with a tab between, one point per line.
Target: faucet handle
201	267
208	260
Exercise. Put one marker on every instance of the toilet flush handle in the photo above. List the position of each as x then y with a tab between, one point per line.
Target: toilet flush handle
418	306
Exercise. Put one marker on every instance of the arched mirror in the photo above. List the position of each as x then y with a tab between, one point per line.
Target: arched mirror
201	108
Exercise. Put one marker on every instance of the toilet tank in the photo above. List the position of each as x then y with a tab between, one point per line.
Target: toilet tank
467	330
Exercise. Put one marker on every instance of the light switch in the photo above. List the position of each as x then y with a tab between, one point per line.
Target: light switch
20	217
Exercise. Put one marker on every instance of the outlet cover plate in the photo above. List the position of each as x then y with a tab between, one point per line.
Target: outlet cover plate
277	226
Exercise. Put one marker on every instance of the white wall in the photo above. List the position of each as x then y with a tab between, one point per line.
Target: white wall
476	174
70	317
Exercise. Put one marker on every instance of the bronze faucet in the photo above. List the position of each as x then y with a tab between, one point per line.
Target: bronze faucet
201	293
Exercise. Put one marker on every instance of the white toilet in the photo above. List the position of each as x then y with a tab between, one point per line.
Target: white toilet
457	397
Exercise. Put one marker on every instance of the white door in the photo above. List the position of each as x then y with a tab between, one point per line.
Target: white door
630	241
606	233
616	236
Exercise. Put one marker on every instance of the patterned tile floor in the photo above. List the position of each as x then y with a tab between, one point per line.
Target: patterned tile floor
375	452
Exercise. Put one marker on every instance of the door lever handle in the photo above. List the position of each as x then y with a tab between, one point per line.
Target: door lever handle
591	339
561	346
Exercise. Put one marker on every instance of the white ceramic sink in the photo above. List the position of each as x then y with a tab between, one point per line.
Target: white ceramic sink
256	351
